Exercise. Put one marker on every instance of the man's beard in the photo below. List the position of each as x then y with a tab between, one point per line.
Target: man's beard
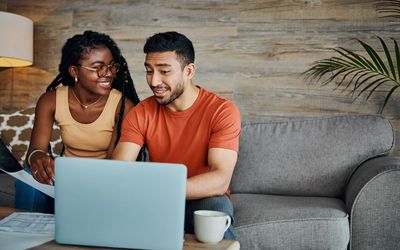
174	95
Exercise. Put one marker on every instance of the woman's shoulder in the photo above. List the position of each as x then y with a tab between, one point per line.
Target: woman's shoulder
47	101
51	95
48	97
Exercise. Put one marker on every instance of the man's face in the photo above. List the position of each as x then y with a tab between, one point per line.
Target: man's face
165	76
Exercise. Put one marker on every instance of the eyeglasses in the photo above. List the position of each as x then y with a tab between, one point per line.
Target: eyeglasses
103	69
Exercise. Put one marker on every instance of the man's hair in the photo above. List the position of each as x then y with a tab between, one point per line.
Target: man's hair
171	41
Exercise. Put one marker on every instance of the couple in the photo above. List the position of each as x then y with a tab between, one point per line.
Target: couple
180	123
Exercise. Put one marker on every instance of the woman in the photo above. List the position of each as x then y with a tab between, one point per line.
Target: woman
95	80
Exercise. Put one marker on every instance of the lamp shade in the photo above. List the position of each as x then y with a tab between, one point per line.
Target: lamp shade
16	40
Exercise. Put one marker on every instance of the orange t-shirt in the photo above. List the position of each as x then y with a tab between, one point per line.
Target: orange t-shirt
184	137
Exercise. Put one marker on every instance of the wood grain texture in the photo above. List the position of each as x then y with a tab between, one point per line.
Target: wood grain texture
250	51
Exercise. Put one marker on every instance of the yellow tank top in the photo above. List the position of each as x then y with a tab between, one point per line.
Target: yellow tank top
86	140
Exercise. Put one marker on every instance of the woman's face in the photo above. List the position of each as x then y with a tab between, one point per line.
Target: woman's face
87	67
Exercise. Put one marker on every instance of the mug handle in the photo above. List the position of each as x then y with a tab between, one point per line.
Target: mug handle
228	222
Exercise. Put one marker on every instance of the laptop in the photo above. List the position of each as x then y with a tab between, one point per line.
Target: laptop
119	204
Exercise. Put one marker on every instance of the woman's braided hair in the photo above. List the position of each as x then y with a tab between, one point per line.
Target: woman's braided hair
73	51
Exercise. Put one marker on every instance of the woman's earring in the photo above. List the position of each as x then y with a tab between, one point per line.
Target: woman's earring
76	79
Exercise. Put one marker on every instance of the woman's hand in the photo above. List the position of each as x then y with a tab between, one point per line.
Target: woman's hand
42	168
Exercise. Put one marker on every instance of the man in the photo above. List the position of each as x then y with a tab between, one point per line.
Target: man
184	123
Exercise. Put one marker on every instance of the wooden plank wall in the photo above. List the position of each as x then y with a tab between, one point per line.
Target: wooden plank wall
250	51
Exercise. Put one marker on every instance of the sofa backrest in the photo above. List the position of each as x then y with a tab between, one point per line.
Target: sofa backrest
308	156
15	132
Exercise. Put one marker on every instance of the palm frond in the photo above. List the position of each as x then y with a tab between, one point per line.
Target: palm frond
355	57
375	57
388	97
355	76
363	74
397	52
389	8
379	83
346	74
388	58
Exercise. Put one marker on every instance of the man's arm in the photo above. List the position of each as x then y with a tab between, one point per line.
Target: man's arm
126	151
216	181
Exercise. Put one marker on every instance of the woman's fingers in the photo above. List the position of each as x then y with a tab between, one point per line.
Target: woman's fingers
49	169
43	170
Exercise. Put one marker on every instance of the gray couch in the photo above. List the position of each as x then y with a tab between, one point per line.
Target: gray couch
317	183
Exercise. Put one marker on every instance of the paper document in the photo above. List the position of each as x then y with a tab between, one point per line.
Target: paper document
24	176
35	223
11	166
21	231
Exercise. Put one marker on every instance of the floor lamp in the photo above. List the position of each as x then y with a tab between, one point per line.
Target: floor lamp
16	42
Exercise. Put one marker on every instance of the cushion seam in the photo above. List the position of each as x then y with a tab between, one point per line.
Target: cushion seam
307	119
293	220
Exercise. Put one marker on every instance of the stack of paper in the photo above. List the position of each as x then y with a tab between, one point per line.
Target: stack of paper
26	230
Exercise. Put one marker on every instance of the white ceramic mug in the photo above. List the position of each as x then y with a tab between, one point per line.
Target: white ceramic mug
210	226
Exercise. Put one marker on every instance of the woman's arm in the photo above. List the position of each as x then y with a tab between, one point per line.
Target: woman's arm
40	163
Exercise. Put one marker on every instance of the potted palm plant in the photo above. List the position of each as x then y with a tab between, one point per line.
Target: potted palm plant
362	74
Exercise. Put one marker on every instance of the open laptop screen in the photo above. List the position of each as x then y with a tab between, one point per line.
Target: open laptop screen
119	204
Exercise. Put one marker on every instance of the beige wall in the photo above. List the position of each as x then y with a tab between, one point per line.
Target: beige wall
250	51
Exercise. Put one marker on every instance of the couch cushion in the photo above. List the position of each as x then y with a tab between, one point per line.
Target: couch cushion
308	156
15	131
290	222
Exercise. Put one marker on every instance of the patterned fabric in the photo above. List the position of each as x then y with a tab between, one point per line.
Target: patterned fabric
16	129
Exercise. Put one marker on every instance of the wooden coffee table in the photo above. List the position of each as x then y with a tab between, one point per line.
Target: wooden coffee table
190	241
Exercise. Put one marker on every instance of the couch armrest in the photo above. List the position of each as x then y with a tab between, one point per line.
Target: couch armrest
373	202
